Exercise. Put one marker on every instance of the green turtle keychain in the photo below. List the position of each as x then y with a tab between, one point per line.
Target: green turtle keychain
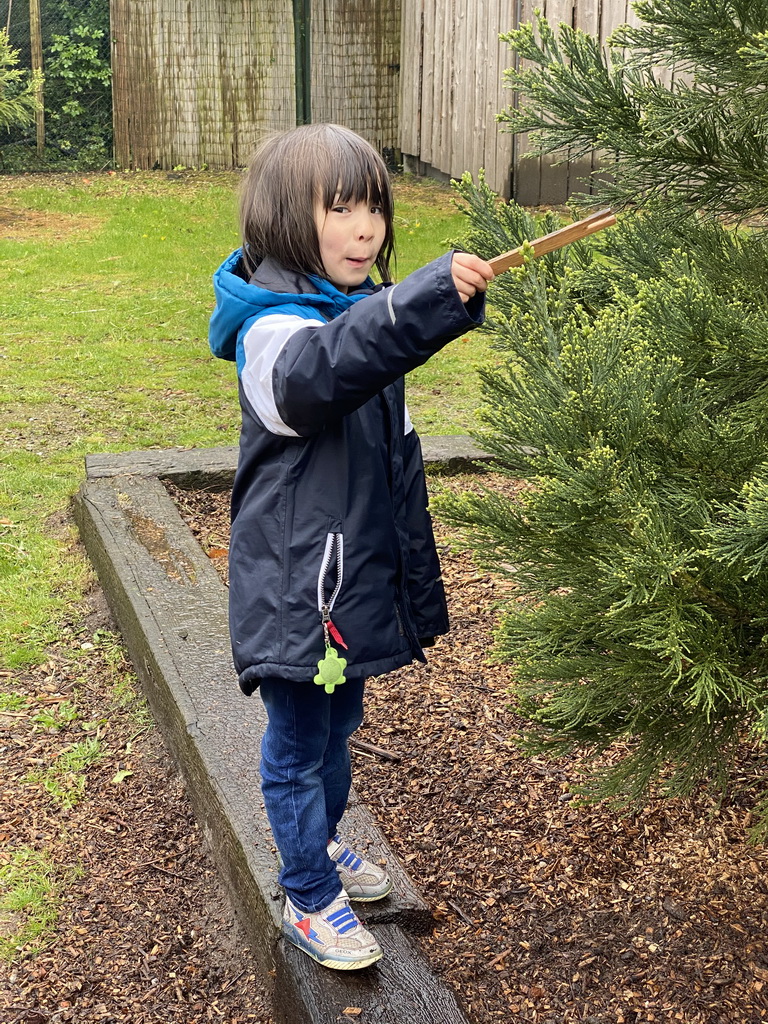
330	668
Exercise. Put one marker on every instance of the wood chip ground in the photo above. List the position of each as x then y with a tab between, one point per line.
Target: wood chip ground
549	912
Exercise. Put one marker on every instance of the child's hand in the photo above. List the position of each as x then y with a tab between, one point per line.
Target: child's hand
470	274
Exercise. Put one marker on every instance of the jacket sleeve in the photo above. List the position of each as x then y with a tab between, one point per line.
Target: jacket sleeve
325	372
425	583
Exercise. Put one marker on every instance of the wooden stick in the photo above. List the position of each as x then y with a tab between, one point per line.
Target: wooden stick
371	749
555	240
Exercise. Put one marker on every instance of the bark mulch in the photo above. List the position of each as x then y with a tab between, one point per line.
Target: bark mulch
548	911
144	932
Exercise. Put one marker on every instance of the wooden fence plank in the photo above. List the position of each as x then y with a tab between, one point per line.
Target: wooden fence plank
612	13
463	129
586	18
481	130
427	96
554	173
411	76
499	145
445	62
526	171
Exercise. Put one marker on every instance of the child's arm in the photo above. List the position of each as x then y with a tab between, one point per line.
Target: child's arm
323	373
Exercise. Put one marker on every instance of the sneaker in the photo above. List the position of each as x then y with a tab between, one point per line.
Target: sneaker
363	882
334	936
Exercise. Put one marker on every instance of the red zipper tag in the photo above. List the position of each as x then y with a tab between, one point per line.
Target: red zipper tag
336	634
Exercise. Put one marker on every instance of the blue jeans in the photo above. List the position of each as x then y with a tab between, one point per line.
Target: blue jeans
305	778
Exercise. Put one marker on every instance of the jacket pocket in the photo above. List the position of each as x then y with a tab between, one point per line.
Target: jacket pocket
331	574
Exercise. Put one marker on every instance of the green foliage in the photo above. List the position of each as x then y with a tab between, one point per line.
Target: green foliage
78	97
76	92
631	400
56	718
17	88
13	702
699	144
64	13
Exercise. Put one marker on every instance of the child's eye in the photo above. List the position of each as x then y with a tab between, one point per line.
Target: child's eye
377	209
340	208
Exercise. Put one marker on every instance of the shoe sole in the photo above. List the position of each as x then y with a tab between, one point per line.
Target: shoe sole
289	931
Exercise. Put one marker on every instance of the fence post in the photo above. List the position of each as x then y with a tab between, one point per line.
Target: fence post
36	49
302	11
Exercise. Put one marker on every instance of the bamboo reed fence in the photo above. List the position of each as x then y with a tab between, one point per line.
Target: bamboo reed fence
199	83
194	83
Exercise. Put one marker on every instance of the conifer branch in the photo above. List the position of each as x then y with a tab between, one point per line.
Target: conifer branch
697	145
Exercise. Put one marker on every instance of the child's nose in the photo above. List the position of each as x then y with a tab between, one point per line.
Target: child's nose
365	227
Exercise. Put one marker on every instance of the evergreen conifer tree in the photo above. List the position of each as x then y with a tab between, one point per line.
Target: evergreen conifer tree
631	396
17	101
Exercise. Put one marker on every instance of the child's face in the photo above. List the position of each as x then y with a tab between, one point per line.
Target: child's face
350	236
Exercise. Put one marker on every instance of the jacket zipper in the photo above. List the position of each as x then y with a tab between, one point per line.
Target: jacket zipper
334	551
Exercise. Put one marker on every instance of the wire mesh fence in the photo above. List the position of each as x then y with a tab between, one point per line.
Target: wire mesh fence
68	42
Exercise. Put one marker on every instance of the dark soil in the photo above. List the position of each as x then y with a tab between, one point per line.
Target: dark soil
548	911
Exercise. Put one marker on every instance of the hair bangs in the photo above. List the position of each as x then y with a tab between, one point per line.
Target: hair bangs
355	173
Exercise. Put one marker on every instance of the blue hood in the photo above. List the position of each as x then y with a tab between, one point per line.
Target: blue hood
240	301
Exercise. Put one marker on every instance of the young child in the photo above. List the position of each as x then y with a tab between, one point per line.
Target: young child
333	570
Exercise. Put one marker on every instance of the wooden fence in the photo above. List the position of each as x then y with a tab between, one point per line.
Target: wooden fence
199	83
452	90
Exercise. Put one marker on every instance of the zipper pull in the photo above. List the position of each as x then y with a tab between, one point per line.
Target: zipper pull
336	635
326	618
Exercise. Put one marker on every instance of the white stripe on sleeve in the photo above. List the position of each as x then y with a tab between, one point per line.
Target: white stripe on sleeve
408	424
263	343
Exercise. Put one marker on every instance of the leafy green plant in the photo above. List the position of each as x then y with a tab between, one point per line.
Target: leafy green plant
57	718
81	756
13	702
78	97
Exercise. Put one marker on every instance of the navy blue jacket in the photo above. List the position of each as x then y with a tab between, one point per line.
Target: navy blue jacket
329	506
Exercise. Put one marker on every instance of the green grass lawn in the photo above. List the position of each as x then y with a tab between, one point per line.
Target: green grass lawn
104	305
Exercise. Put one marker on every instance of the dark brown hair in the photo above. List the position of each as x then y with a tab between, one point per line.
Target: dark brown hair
286	176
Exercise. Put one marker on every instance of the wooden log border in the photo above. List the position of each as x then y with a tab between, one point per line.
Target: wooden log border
170	605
